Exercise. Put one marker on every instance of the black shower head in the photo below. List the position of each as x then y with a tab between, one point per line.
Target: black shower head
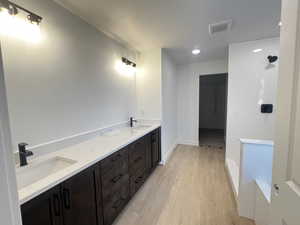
272	59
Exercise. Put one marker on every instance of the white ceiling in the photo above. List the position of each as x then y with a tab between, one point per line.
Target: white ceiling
180	25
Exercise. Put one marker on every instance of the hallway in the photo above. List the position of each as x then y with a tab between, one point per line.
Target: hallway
212	137
192	189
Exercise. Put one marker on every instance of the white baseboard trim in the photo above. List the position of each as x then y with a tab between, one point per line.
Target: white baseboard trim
166	156
188	142
231	182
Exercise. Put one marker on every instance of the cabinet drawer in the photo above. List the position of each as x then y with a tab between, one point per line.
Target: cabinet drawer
138	165
113	175
136	182
110	189
114	161
136	150
114	206
155	148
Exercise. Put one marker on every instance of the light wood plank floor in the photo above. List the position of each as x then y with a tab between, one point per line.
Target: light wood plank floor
192	189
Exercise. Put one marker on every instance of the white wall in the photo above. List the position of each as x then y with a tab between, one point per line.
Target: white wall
67	83
156	90
188	97
251	81
148	85
169	106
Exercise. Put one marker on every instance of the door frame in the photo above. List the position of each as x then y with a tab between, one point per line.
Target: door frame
226	102
288	88
9	205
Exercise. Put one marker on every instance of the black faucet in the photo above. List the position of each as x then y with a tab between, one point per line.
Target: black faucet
132	121
23	154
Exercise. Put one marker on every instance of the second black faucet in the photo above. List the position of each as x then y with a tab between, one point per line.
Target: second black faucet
23	154
132	121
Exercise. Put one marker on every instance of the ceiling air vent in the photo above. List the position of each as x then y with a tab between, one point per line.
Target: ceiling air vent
220	27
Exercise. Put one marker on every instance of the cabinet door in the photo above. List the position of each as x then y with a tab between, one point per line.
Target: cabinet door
148	154
79	199
155	146
44	209
99	199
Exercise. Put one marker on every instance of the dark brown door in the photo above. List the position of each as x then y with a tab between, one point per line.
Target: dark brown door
44	209
79	199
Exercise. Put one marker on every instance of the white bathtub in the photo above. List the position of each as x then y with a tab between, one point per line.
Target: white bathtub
254	180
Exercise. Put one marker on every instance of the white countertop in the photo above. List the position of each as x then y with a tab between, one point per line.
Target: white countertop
85	154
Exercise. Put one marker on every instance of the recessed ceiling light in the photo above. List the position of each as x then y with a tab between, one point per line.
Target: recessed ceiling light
280	24
257	50
196	51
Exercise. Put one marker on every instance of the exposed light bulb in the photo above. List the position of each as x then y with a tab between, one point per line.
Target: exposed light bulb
196	51
125	69
2	9
11	25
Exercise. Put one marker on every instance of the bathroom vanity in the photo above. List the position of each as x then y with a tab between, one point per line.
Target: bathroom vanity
97	194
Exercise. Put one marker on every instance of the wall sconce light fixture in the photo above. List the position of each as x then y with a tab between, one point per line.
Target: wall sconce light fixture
272	58
128	62
126	67
12	25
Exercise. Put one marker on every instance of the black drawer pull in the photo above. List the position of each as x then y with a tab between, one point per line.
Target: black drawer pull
115	179
139	179
67	200
137	159
56	205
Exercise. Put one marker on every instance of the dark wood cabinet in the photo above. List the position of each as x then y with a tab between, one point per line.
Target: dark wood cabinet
116	160
74	202
137	155
136	181
97	195
79	199
155	148
44	209
148	155
113	206
115	184
137	164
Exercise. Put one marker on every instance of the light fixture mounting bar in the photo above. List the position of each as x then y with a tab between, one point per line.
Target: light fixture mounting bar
32	16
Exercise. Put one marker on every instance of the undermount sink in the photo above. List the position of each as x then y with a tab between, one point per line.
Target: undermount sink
141	127
36	171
